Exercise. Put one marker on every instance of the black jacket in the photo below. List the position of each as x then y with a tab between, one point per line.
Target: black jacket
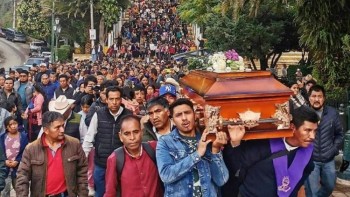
69	92
93	108
14	97
72	126
148	133
259	179
3	168
329	136
107	138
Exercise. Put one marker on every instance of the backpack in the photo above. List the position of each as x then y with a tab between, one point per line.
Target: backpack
120	155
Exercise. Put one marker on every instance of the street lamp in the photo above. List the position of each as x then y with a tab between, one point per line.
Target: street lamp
52	30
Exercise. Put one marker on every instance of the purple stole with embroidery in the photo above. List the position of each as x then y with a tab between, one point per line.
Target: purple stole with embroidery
287	178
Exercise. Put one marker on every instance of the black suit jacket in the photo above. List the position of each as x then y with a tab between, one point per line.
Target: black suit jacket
259	179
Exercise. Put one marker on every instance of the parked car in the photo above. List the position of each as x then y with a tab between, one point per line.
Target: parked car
46	54
2	33
20	67
15	36
34	60
37	45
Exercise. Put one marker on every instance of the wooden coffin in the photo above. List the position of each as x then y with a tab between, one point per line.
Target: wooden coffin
237	93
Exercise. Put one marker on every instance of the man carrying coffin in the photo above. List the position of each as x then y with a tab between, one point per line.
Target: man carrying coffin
271	167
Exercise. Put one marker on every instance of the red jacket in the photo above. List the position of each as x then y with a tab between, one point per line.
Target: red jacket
139	176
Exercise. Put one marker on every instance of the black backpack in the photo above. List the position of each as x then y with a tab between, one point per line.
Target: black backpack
120	155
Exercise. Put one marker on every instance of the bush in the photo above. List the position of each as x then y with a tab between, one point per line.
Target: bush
64	53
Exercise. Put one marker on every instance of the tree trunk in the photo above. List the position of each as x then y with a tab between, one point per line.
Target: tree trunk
101	36
263	63
253	63
275	60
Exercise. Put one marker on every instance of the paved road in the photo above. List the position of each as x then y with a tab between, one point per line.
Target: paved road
14	54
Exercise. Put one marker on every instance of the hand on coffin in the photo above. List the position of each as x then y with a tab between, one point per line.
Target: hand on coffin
236	133
220	141
202	144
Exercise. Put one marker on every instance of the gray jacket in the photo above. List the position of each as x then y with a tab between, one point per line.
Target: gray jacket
29	89
3	114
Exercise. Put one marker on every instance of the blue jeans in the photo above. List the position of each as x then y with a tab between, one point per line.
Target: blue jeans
99	179
321	181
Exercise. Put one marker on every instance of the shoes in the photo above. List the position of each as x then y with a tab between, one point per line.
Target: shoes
91	191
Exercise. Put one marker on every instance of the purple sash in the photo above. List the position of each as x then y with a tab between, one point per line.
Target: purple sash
287	178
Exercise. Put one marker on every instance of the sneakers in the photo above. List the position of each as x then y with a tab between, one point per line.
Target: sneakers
91	191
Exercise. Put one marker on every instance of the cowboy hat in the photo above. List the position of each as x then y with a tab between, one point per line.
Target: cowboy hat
61	104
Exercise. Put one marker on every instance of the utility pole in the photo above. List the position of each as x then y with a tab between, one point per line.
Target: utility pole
52	31
92	20
14	14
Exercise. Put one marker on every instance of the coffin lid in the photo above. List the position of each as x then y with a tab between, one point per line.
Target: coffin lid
233	85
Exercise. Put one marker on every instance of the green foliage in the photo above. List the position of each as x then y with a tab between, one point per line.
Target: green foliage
270	32
324	27
110	11
64	53
6	10
236	7
31	21
197	63
75	30
198	11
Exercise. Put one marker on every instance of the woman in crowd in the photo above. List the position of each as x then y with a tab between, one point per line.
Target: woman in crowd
151	92
144	81
34	112
296	100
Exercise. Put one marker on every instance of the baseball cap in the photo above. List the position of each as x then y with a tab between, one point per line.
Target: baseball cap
167	89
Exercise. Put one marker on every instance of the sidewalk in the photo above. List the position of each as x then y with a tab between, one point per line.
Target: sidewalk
341	190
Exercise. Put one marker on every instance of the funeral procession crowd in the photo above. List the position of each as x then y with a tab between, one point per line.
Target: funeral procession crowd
119	125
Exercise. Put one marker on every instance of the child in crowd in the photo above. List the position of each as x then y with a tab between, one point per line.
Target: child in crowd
85	104
13	143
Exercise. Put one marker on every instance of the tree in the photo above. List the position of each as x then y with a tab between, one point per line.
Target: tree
269	34
31	21
324	27
198	11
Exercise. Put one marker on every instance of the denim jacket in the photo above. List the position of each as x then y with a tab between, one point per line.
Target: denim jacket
175	165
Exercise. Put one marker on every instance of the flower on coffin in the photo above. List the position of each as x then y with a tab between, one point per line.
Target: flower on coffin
234	61
218	62
232	55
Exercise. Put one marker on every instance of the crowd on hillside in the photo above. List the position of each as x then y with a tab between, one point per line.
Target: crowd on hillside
154	31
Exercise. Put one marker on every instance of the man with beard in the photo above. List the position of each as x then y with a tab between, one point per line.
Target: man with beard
329	139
